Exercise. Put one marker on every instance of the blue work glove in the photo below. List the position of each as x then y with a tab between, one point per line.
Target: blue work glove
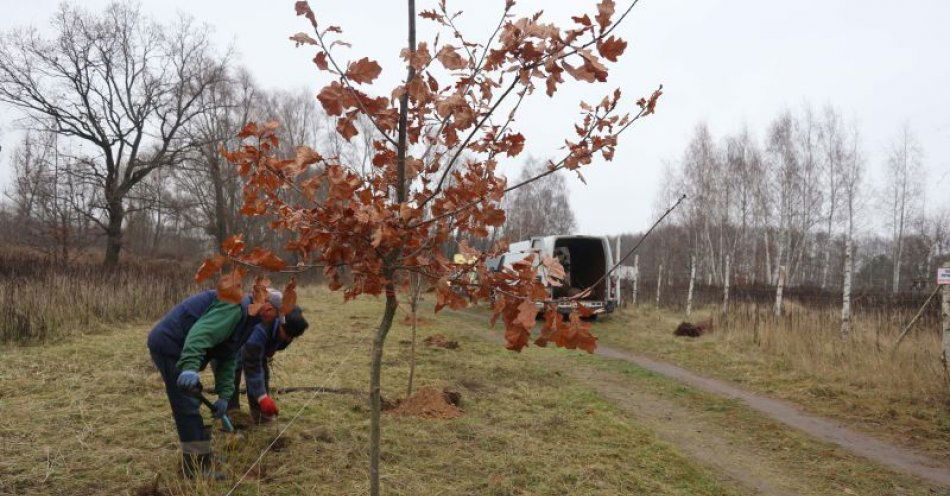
220	407
188	380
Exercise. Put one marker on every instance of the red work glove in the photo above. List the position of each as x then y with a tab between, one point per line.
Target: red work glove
268	407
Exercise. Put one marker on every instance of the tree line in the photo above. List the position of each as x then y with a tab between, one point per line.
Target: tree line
124	120
798	200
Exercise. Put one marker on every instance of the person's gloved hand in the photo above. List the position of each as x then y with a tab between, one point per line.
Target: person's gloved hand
220	407
268	407
188	380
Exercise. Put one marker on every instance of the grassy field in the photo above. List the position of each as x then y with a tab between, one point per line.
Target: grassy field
89	417
902	396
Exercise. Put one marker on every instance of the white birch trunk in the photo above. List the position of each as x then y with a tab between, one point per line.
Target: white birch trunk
636	278
778	291
897	260
692	280
846	292
659	284
725	287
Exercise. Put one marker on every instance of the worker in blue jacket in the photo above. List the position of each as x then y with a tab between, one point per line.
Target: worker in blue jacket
254	358
200	330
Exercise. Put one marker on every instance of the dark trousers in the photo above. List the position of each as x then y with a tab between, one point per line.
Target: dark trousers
194	437
235	401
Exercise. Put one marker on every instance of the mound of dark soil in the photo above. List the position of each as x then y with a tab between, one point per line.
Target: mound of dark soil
689	329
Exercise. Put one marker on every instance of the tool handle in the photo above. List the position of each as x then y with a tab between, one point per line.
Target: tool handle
228	426
225	421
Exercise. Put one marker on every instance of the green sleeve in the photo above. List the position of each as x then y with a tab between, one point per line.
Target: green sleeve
224	376
211	329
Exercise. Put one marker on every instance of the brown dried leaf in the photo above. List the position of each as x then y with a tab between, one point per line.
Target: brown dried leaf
611	48
230	286
605	10
302	39
209	267
233	245
450	59
363	71
321	60
345	127
289	296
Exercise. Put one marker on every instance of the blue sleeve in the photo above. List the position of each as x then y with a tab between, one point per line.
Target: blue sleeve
253	356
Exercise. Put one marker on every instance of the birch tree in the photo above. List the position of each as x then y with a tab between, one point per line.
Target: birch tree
904	189
852	173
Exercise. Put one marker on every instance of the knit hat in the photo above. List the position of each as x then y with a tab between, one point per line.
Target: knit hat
275	298
294	322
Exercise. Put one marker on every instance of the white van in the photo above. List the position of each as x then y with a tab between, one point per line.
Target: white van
585	259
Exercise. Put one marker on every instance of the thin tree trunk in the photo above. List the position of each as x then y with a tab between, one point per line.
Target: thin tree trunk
618	293
374	387
391	302
636	279
725	287
413	306
659	285
897	259
846	292
945	315
692	280
778	291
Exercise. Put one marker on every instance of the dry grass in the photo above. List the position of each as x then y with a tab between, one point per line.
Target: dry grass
800	357
42	302
90	417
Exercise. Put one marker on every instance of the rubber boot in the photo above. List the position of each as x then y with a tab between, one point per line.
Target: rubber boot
194	466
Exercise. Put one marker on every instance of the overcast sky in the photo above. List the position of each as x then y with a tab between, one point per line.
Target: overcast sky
730	63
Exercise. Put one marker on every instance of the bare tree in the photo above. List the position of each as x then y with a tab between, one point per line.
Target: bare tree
542	207
904	190
833	145
230	104
47	197
851	175
117	81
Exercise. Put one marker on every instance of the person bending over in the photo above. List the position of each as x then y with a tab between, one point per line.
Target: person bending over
254	359
200	330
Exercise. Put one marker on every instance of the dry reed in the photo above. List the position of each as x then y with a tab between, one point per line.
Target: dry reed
809	341
42	301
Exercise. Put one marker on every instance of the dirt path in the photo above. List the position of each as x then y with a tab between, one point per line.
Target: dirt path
889	455
696	438
742	465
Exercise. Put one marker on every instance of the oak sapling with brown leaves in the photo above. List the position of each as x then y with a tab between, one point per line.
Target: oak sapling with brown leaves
439	138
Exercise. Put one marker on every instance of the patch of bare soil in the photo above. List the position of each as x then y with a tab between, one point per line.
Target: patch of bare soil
430	402
440	341
420	321
691	330
240	420
150	489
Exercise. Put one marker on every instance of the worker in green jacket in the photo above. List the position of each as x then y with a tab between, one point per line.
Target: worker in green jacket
200	330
